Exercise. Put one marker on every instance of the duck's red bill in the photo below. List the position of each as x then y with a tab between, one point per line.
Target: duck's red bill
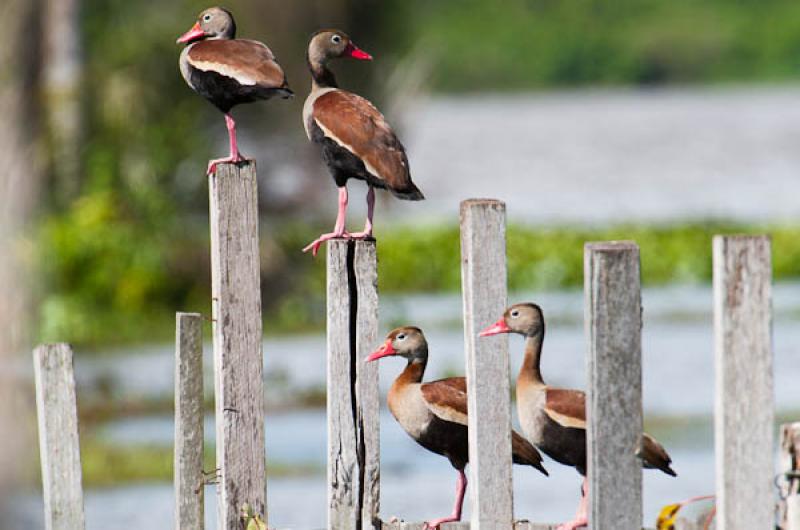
385	350
193	34
495	329
357	53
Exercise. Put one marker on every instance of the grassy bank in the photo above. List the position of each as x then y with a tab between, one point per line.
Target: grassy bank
98	308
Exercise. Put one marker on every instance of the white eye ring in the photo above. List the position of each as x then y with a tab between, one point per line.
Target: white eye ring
401	337
515	313
206	18
336	39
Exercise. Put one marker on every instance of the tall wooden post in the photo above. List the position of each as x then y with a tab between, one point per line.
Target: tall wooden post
238	360
744	408
58	437
353	402
188	462
483	280
614	398
789	508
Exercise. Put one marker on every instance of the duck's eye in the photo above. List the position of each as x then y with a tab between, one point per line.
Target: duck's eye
336	39
515	313
206	18
401	336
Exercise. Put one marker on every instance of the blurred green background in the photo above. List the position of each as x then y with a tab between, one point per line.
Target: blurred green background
115	235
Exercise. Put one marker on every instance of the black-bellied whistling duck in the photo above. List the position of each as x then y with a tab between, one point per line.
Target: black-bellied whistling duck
228	71
435	414
356	140
554	419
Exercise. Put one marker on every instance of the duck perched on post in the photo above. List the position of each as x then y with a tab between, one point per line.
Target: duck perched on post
435	414
356	140
554	419
228	71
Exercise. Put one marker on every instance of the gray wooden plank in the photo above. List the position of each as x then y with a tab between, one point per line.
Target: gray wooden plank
614	391
789	507
344	511
483	280
744	405
188	462
58	437
464	525
365	267
238	359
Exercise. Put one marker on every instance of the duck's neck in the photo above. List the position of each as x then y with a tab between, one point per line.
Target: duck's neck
413	372
530	372
321	76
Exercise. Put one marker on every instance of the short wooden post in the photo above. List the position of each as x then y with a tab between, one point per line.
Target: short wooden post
483	280
188	463
744	408
789	508
614	398
58	437
238	359
353	421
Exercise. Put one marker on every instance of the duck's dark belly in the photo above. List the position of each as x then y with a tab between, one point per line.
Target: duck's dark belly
342	164
447	439
225	92
566	445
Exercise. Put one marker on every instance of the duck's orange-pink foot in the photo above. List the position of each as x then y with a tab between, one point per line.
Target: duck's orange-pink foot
573	525
437	523
314	245
212	164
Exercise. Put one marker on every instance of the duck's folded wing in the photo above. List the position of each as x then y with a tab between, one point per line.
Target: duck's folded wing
357	126
248	62
566	407
447	399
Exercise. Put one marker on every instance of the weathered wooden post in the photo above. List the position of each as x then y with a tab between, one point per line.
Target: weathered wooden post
188	463
614	399
483	280
353	401
238	360
59	448
789	509
744	408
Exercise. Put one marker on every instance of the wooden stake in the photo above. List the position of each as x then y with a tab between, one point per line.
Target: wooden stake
238	359
745	406
353	421
789	508
58	437
614	398
483	280
188	465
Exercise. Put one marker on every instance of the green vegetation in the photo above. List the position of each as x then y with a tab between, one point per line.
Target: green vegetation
518	44
411	259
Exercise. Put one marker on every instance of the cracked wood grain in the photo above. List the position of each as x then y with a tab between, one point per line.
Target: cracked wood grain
744	405
238	358
188	459
613	306
58	437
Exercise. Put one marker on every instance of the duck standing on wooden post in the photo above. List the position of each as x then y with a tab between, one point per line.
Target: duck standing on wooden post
228	71
356	140
554	419
435	413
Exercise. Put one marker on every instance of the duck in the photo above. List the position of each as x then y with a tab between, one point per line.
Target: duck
435	414
228	71
355	140
554	419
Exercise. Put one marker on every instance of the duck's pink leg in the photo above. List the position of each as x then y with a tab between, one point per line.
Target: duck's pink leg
367	233
581	517
338	229
235	155
461	487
